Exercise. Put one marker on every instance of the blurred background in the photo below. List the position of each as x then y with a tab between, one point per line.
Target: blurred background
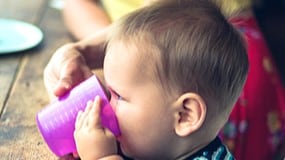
271	18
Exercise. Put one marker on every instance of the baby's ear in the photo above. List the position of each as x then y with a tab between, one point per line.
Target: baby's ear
191	113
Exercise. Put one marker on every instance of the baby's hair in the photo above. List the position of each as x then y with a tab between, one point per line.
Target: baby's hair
191	48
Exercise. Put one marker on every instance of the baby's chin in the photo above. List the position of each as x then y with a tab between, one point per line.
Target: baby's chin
127	150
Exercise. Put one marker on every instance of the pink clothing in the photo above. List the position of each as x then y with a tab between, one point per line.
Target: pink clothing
257	124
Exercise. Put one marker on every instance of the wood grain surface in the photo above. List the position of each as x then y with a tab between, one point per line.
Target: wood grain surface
22	92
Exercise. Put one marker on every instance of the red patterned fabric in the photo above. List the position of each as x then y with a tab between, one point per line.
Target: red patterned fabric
257	124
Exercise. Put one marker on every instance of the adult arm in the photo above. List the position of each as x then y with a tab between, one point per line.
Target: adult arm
72	63
83	17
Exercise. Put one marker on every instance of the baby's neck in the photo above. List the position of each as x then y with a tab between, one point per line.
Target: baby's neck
193	150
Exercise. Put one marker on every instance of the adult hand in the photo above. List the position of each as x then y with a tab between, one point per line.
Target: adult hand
66	69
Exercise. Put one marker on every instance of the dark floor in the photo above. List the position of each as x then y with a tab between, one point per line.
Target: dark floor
271	17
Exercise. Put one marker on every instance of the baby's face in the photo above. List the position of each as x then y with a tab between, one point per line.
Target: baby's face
144	113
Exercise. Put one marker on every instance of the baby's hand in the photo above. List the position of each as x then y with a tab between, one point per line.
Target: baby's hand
92	140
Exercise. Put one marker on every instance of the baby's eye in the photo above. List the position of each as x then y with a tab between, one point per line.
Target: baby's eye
116	95
119	97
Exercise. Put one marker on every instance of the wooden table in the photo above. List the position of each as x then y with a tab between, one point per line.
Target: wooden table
22	92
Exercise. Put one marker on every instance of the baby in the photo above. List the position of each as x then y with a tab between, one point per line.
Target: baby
174	71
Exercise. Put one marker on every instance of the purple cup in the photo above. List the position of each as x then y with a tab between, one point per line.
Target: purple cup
56	122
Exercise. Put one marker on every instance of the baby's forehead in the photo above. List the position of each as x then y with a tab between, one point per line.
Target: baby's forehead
139	48
139	54
129	63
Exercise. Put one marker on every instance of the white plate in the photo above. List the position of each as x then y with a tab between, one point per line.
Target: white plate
17	36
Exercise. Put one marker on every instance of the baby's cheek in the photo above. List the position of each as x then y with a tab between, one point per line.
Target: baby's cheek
113	104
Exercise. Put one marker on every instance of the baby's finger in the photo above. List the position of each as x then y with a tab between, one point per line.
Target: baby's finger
95	113
86	113
79	120
88	107
108	133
